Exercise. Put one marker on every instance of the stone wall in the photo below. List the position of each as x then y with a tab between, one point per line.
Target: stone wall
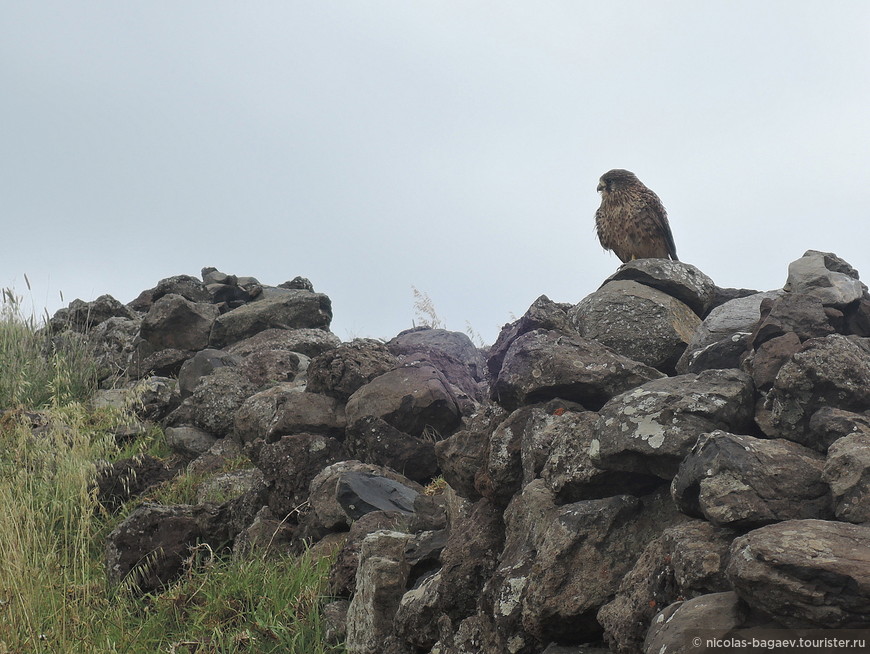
665	455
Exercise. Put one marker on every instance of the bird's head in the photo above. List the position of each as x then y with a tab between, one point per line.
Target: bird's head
615	180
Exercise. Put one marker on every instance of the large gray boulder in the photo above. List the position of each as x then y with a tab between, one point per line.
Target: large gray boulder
214	403
637	321
311	342
452	353
542	314
81	316
566	467
676	628
464	454
148	549
289	466
583	555
186	286
175	322
466	562
346	490
831	372
682	281
550	441
722	337
527	519
289	309
284	410
826	277
541	365
413	399
745	482
847	470
113	343
380	585
373	440
201	364
342	371
652	428
686	561
805	573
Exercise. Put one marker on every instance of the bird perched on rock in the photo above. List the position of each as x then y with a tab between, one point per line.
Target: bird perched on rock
631	220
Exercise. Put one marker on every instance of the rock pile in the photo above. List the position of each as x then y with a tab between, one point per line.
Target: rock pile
664	456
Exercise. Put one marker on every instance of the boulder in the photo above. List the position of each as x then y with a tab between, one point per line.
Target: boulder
828	425
373	440
461	456
847	470
680	280
825	277
265	367
289	466
294	412
148	549
686	561
541	365
584	552
156	397
211	275
543	314
638	322
804	315
189	441
652	428
501	475
201	364
764	363
412	399
380	584
827	372
526	519
83	316
361	492
298	282
856	318
452	353
452	590
334	617
186	286
225	453
175	322
722	336
745	482
121	481
231	485
345	491
266	535
294	309
677	627
165	363
310	342
805	573
342	574
343	370
213	405
567	468
113	343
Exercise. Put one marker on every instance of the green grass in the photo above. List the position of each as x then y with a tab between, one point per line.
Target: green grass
54	592
36	370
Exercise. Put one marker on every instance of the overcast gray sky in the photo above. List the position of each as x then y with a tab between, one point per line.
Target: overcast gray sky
450	146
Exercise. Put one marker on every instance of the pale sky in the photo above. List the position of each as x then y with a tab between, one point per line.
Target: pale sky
450	146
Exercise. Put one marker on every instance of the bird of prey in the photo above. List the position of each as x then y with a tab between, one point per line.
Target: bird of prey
631	220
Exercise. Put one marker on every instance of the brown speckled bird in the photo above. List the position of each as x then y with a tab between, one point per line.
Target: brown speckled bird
631	220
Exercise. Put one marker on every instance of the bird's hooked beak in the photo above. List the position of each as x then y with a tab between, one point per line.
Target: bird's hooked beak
601	187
